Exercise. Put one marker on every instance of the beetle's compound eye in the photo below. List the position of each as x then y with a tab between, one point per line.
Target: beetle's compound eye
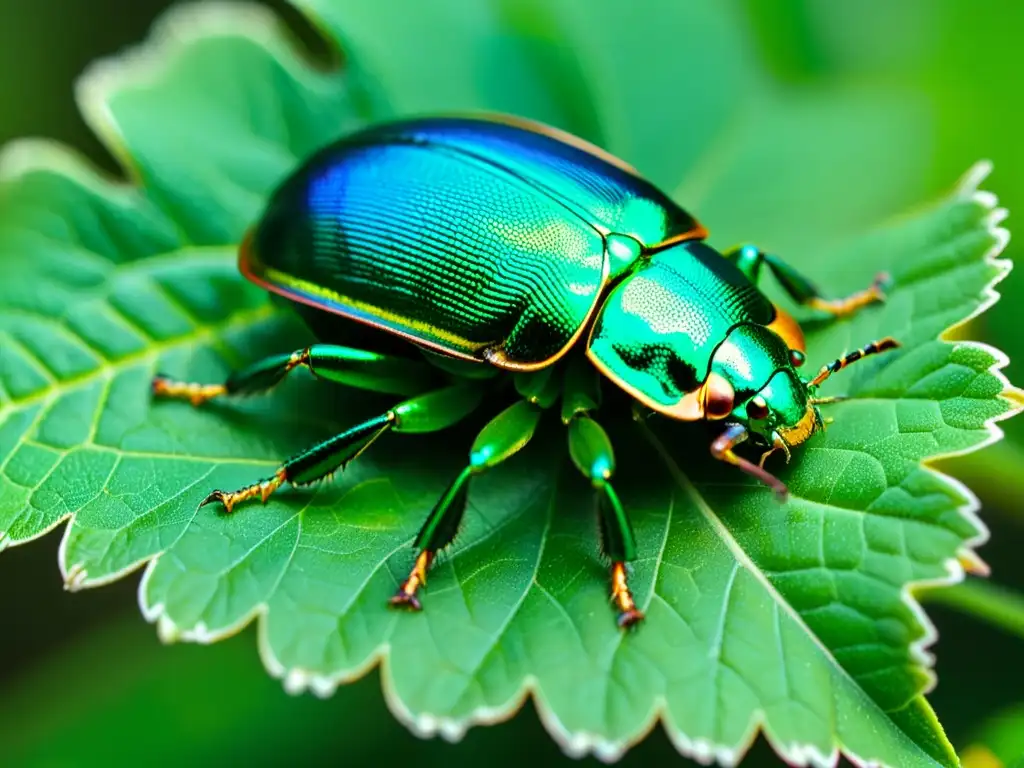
797	358
719	397
757	408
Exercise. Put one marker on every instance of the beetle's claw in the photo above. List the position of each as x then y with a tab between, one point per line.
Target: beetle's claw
405	600
406	595
629	614
630	618
260	490
218	497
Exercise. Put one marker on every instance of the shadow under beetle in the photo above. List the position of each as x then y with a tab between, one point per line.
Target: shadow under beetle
499	245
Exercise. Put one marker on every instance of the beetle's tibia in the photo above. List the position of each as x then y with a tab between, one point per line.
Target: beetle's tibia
316	463
335	453
874	348
749	260
445	519
617	539
438	531
265	374
629	614
722	449
406	595
500	438
197	394
344	365
845	307
262	489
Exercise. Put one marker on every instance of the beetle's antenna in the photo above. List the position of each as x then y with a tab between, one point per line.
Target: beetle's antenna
721	449
873	348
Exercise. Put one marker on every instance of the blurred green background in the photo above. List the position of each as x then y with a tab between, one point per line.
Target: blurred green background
83	679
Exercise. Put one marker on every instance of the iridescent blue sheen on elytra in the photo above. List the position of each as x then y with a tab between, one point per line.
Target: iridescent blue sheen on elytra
477	238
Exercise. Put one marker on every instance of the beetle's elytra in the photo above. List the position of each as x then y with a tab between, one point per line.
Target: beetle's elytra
499	246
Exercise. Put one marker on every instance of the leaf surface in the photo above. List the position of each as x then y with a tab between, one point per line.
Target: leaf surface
796	618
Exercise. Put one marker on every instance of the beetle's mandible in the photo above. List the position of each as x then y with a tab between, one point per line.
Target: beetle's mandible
501	247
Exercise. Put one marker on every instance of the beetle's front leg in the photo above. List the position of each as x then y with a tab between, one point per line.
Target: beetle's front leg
344	365
502	437
722	449
749	260
591	452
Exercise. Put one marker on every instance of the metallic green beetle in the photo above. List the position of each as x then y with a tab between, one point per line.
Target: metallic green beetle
503	245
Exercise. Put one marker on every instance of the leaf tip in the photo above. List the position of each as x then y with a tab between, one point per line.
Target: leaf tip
971	181
167	630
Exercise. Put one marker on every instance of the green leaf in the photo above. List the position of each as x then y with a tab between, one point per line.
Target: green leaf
795	619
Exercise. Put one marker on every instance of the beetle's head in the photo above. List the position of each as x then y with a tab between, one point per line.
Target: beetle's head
754	384
782	413
778	414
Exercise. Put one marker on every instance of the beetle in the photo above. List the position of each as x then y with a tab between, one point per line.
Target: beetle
499	246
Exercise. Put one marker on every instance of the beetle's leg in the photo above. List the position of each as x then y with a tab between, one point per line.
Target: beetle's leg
345	365
503	436
722	449
427	413
591	452
749	260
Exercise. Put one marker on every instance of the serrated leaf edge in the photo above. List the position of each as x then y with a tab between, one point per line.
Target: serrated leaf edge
580	743
184	24
968	560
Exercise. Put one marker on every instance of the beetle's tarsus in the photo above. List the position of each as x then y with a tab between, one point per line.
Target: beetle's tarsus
230	499
406	595
873	294
196	394
629	614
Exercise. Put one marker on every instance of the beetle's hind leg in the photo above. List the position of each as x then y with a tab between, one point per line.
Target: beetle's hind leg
344	365
502	437
591	452
427	413
749	259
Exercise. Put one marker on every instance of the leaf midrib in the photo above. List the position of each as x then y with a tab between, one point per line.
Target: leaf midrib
744	561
